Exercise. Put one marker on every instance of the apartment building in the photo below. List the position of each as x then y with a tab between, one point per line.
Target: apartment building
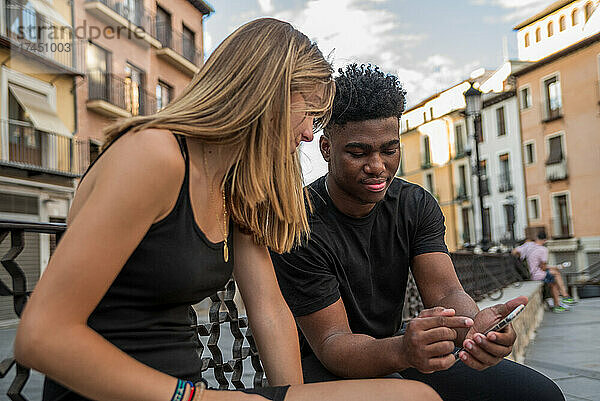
40	65
556	27
559	99
140	54
433	158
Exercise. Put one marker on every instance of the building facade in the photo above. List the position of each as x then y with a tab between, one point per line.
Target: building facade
40	158
556	27
559	99
139	54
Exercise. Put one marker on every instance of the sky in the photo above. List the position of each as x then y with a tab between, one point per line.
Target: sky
428	44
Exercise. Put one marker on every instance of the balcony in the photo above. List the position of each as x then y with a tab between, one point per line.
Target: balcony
505	182
113	96
557	171
562	227
552	114
460	153
178	50
461	193
130	17
43	152
41	38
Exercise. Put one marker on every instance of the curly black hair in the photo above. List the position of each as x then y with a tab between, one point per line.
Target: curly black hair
366	93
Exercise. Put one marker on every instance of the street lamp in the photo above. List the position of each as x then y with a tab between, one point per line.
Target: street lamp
474	104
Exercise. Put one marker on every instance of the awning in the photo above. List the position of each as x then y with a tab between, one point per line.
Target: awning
40	112
48	11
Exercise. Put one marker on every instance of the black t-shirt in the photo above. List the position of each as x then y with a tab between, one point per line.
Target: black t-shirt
364	260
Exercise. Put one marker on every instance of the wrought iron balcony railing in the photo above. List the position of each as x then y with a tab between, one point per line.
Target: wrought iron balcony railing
31	32
562	227
133	11
120	92
181	44
505	182
37	150
557	171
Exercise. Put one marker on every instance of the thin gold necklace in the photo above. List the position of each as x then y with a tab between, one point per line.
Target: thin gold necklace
224	230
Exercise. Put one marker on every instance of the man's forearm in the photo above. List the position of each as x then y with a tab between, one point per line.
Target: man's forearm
361	356
464	305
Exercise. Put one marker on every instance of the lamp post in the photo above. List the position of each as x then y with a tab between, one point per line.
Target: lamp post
474	105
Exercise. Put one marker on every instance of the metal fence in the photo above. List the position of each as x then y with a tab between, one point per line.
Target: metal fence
481	275
120	92
42	151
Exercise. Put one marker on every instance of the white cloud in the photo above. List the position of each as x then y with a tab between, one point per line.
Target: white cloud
266	6
356	31
516	9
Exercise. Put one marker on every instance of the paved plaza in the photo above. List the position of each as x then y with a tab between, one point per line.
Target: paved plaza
566	348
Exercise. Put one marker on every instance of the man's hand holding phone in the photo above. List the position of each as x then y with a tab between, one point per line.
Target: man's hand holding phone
481	349
429	339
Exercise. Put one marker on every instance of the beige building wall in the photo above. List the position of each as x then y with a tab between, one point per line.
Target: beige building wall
579	125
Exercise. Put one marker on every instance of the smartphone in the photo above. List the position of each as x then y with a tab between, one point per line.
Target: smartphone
498	326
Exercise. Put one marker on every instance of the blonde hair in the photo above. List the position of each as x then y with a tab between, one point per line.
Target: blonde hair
241	97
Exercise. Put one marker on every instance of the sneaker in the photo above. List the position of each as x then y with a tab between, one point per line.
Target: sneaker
568	301
559	309
566	306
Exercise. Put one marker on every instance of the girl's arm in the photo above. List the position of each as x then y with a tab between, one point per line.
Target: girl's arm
136	184
270	318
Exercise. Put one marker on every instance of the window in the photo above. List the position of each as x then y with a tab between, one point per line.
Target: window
466	236
505	176
562	23
97	70
407	126
529	153
553	97
555	150
525	98
509	218
588	10
561	219
527	43
94	150
429	182
534	208
400	171
550	28
133	10
134	78
538	35
163	26
459	139
431	112
426	152
500	121
23	21
575	17
424	117
163	95
189	44
21	204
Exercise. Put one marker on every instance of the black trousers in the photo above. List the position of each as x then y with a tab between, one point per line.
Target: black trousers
507	381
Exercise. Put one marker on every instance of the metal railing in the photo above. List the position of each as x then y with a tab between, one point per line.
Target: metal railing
561	227
133	11
32	32
223	310
483	275
557	171
32	148
178	42
461	193
120	92
505	182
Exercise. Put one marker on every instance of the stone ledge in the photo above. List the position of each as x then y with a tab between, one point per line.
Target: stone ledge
529	320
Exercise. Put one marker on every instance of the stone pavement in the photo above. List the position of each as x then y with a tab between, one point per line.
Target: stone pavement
566	348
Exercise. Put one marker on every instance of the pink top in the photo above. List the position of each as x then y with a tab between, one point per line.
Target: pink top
537	256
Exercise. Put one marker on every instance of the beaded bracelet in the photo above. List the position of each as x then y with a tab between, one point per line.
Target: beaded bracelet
180	390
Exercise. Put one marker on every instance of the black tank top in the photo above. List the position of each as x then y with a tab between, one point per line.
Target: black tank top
147	310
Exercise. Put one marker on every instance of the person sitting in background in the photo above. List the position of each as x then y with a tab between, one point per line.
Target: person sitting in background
536	255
